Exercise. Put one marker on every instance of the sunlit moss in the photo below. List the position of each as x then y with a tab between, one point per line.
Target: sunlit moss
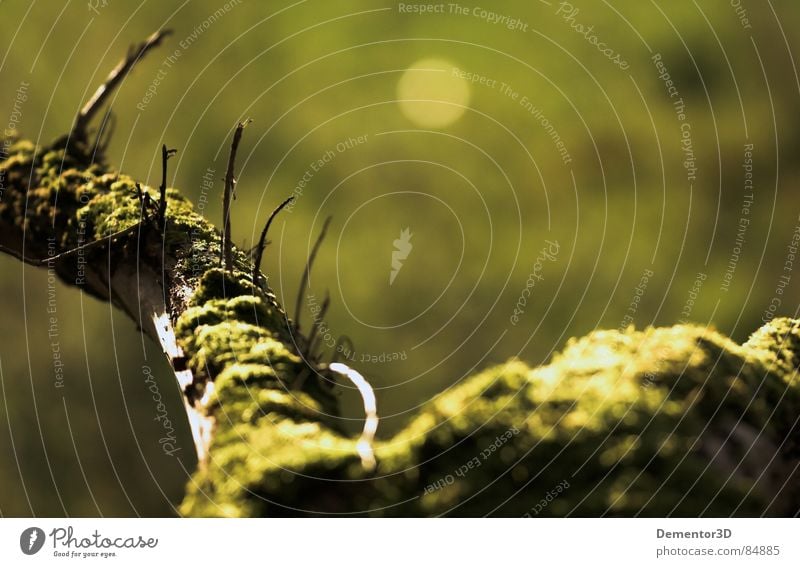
636	422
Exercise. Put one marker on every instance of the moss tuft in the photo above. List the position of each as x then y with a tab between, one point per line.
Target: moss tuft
677	421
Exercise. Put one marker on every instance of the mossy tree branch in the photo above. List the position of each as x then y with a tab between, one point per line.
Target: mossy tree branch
678	420
665	421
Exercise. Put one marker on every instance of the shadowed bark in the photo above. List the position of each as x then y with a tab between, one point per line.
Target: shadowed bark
678	420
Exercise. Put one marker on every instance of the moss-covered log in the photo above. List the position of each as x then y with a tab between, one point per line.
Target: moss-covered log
665	421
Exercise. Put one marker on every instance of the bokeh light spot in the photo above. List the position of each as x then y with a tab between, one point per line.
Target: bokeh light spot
431	94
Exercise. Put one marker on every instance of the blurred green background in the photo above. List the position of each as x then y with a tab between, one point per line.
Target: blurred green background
474	174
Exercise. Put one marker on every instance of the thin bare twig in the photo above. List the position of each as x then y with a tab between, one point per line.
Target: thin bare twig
93	244
312	335
262	241
307	271
162	202
135	53
226	254
104	133
146	202
340	345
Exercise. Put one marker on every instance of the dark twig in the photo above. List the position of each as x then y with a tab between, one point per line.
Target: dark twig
226	254
310	343
162	202
262	241
145	202
93	244
135	53
105	133
307	271
340	346
318	320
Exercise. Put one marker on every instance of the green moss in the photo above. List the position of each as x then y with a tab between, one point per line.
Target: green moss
244	329
217	284
216	346
778	345
650	423
246	309
241	378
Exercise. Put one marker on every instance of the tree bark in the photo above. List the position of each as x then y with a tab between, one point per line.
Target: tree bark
678	421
